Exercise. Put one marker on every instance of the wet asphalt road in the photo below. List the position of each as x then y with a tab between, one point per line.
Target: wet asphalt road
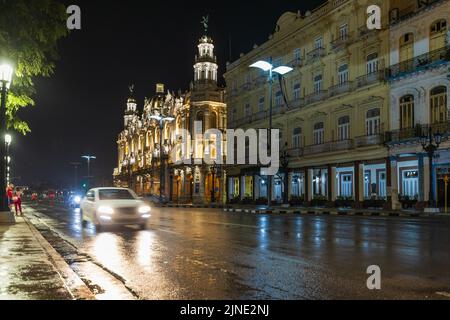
209	254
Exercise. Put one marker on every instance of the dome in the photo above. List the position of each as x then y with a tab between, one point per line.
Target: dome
286	19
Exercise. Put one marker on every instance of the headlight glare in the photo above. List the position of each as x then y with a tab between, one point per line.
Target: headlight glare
144	209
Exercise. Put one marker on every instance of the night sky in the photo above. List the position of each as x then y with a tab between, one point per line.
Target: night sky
80	109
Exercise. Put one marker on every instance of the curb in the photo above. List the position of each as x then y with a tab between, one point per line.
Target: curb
328	212
76	287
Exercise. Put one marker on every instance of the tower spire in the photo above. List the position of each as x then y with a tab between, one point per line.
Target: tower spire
205	67
130	112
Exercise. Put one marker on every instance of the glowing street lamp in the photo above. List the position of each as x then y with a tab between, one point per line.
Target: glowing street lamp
281	71
6	73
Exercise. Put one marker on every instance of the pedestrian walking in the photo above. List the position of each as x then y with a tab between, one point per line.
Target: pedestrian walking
34	198
17	199
9	194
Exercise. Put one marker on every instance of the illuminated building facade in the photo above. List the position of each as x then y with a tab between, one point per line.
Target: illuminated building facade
148	167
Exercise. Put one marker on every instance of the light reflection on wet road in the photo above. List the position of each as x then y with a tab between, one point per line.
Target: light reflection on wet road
208	254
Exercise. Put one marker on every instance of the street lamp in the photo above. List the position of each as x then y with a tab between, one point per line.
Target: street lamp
89	158
431	144
161	119
285	163
214	171
281	71
6	73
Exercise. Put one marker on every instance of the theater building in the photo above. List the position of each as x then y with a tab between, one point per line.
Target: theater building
148	166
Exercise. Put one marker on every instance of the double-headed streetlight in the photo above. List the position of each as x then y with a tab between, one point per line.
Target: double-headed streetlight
161	121
6	73
430	144
281	71
88	159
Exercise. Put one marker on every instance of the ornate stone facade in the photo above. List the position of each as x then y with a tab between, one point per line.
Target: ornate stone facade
153	170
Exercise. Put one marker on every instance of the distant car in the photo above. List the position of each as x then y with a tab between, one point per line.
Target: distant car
75	200
114	206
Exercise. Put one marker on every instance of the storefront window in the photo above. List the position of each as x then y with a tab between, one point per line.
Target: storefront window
410	183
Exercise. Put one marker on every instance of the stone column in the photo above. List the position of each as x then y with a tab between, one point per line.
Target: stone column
242	187
420	157
359	184
394	184
308	185
333	183
426	178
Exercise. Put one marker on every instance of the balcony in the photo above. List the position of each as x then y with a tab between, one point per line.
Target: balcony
340	88
296	104
340	43
259	81
315	97
260	115
370	79
342	145
420	63
317	148
366	141
364	32
315	55
295	63
295	152
412	11
412	134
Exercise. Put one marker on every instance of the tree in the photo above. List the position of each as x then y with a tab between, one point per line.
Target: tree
29	32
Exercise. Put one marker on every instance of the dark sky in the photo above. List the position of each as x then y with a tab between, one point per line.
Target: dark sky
80	109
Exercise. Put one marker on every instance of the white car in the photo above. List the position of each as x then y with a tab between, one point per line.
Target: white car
114	206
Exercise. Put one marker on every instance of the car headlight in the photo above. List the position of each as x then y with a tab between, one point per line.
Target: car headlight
144	209
105	210
77	199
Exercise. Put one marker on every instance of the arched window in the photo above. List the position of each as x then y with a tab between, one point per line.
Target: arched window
407	112
201	117
438	31
213	120
319	133
406	47
373	122
344	128
438	104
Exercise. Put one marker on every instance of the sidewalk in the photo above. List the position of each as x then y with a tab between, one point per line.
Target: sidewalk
30	269
330	211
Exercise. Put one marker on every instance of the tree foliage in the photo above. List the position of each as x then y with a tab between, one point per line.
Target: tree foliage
29	32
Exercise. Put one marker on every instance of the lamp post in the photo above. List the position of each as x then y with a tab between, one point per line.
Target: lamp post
89	158
285	164
6	72
8	141
214	171
281	71
430	144
161	119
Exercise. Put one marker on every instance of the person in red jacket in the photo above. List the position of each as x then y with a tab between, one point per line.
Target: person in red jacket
9	194
17	198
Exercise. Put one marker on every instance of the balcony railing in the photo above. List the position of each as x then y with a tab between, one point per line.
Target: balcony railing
411	12
341	42
408	134
296	104
317	148
315	54
371	78
315	97
340	88
259	81
295	63
423	62
366	32
295	152
342	145
365	141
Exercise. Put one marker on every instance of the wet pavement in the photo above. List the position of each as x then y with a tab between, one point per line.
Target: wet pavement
209	254
25	270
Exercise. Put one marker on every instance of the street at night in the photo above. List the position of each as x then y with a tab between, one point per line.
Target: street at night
208	254
224	159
